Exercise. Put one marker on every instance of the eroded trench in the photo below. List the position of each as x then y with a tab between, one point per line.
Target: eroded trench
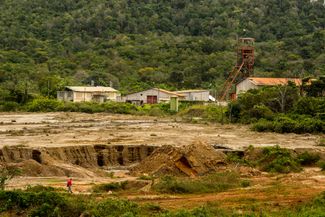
88	156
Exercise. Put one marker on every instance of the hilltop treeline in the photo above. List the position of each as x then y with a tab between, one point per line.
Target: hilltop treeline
45	45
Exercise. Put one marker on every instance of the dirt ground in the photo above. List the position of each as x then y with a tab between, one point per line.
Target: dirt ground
266	191
75	129
72	129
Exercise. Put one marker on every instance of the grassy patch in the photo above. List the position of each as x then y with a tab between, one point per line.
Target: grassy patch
115	207
145	177
216	182
114	186
203	113
321	142
274	159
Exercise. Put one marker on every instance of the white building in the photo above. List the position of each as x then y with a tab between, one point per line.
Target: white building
255	83
87	94
151	96
195	95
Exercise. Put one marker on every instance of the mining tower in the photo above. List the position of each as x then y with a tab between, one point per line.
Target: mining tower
244	67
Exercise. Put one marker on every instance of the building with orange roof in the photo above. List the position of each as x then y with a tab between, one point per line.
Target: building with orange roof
258	82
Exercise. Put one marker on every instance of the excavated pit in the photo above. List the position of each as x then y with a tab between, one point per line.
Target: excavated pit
89	157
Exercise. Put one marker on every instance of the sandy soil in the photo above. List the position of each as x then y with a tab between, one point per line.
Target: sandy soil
80	185
73	129
70	129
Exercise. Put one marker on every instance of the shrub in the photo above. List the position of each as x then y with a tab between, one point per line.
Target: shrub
40	203
44	105
9	106
215	113
284	124
309	125
234	111
23	200
155	111
165	107
245	183
276	159
290	124
209	112
109	187
116	208
39	188
90	107
321	116
310	105
263	126
234	158
321	164
307	159
119	108
69	107
261	111
146	177
197	212
7	172
194	111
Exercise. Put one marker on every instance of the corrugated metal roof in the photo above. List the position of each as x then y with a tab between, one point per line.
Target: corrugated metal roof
273	81
161	90
169	92
190	91
91	89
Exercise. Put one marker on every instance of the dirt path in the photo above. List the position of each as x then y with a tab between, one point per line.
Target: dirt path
80	185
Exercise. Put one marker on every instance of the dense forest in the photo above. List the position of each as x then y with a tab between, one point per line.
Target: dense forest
135	44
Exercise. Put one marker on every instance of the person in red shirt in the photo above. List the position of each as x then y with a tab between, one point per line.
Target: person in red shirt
69	185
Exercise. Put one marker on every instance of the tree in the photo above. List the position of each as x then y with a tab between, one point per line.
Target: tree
287	95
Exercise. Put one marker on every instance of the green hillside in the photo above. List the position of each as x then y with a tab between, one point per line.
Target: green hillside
136	44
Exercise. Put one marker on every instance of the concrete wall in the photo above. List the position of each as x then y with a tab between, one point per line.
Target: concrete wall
142	96
65	95
196	96
244	86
